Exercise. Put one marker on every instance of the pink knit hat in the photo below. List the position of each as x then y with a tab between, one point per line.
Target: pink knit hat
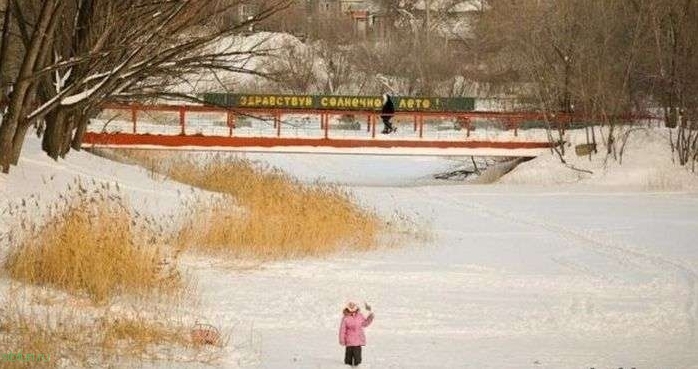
352	307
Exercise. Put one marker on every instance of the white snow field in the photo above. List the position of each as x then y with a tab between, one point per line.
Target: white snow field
590	271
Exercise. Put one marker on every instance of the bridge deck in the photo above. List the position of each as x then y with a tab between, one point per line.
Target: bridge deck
317	145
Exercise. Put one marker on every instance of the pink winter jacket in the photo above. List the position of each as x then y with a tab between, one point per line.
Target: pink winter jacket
351	331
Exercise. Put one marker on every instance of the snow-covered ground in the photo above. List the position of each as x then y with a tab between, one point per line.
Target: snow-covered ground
538	272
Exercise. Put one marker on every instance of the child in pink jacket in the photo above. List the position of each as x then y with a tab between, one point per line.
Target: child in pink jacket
351	332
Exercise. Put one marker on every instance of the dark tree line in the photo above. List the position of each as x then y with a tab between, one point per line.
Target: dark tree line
61	59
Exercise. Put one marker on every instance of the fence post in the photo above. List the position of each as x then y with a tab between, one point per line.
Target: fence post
182	119
327	126
467	124
421	126
231	122
277	123
134	117
415	122
373	126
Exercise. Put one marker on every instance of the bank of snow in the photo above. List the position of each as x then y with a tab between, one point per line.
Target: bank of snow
646	165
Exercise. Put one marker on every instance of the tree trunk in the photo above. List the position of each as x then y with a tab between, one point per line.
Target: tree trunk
52	141
83	120
610	149
19	95
67	133
18	140
4	46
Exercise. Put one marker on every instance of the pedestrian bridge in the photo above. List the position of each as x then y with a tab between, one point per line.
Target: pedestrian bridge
310	129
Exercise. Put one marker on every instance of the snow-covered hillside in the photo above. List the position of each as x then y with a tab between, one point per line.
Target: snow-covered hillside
527	274
263	53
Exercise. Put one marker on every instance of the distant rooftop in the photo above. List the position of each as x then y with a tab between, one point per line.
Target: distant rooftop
454	6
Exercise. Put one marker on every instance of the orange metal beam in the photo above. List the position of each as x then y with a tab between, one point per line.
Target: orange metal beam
117	139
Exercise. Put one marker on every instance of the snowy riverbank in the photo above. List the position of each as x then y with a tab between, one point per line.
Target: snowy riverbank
531	273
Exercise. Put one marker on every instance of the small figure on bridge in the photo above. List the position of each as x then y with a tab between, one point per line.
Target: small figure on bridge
387	113
351	332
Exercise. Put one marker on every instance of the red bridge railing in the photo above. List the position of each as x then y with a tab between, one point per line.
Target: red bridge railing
225	134
509	120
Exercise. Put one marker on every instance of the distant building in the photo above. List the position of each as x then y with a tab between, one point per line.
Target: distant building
353	5
314	18
326	8
451	19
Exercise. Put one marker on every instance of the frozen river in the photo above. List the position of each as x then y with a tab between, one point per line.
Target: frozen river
515	277
565	276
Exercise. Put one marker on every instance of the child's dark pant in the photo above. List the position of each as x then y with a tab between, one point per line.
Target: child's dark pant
353	355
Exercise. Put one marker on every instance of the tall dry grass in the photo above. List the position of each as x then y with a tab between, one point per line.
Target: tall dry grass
264	213
93	338
23	332
269	215
93	244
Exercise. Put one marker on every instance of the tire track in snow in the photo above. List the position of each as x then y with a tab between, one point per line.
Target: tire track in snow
617	250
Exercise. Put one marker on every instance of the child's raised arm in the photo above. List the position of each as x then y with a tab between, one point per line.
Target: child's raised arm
367	321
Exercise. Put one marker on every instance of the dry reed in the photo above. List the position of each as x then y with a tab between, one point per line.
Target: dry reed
137	336
265	214
90	338
93	244
23	333
269	215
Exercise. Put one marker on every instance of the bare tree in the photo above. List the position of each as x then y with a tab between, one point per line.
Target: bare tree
293	69
574	56
76	55
673	71
337	68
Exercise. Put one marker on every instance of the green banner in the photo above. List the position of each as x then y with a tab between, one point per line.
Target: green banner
402	103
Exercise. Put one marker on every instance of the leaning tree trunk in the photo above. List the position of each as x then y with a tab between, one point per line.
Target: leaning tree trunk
18	140
52	142
67	133
82	120
20	94
4	47
37	89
